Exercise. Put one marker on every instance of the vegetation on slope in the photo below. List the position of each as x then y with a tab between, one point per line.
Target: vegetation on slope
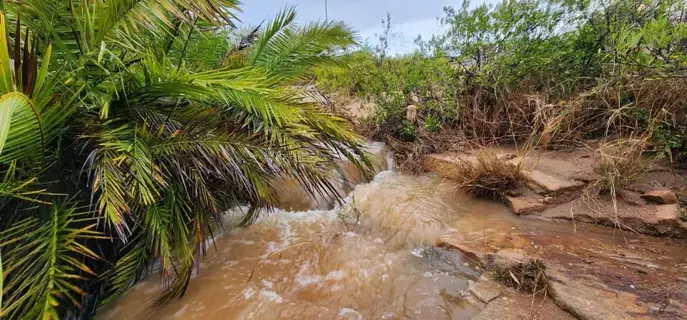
531	72
128	127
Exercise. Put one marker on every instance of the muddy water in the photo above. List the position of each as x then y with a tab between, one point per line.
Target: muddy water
372	258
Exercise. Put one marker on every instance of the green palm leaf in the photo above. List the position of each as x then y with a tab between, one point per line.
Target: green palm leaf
289	52
118	115
45	261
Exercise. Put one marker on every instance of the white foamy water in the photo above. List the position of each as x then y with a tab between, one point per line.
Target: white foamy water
371	258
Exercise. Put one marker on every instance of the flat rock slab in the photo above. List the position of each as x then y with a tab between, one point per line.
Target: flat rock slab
485	290
519	306
593	301
455	241
551	183
632	198
525	205
657	220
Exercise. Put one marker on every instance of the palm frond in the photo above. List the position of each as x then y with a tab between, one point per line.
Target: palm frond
281	21
44	261
166	144
288	51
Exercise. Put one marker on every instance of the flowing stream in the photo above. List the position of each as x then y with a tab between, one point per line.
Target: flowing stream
371	258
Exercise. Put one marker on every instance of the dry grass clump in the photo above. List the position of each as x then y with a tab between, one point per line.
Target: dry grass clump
619	163
528	276
409	155
487	175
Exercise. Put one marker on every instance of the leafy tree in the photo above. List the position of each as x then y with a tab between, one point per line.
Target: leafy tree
128	127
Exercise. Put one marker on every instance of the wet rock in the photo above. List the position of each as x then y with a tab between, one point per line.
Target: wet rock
524	205
517	306
632	198
485	290
663	196
551	183
411	113
455	241
592	300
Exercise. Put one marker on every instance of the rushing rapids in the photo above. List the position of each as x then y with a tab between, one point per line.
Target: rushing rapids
371	258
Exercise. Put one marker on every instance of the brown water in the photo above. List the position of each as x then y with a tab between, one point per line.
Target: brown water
372	258
311	265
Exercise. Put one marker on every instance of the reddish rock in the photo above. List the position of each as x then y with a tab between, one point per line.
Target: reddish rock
551	183
658	220
525	205
508	258
485	290
519	306
663	196
592	300
632	198
471	250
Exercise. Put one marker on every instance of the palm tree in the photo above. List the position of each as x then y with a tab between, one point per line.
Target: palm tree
121	150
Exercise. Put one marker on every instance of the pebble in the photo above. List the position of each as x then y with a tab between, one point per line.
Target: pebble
632	286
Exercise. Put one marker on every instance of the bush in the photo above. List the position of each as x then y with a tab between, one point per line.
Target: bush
547	72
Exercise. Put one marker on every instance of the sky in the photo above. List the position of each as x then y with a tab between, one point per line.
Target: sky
409	18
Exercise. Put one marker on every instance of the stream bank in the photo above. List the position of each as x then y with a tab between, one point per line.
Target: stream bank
623	258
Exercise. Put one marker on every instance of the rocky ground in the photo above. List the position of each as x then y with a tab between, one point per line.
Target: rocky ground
555	189
639	274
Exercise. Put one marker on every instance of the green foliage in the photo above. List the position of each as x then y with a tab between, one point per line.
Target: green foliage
409	131
668	139
432	123
43	264
393	82
151	118
518	70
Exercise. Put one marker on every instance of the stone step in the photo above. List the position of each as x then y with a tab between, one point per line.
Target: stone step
551	183
525	205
